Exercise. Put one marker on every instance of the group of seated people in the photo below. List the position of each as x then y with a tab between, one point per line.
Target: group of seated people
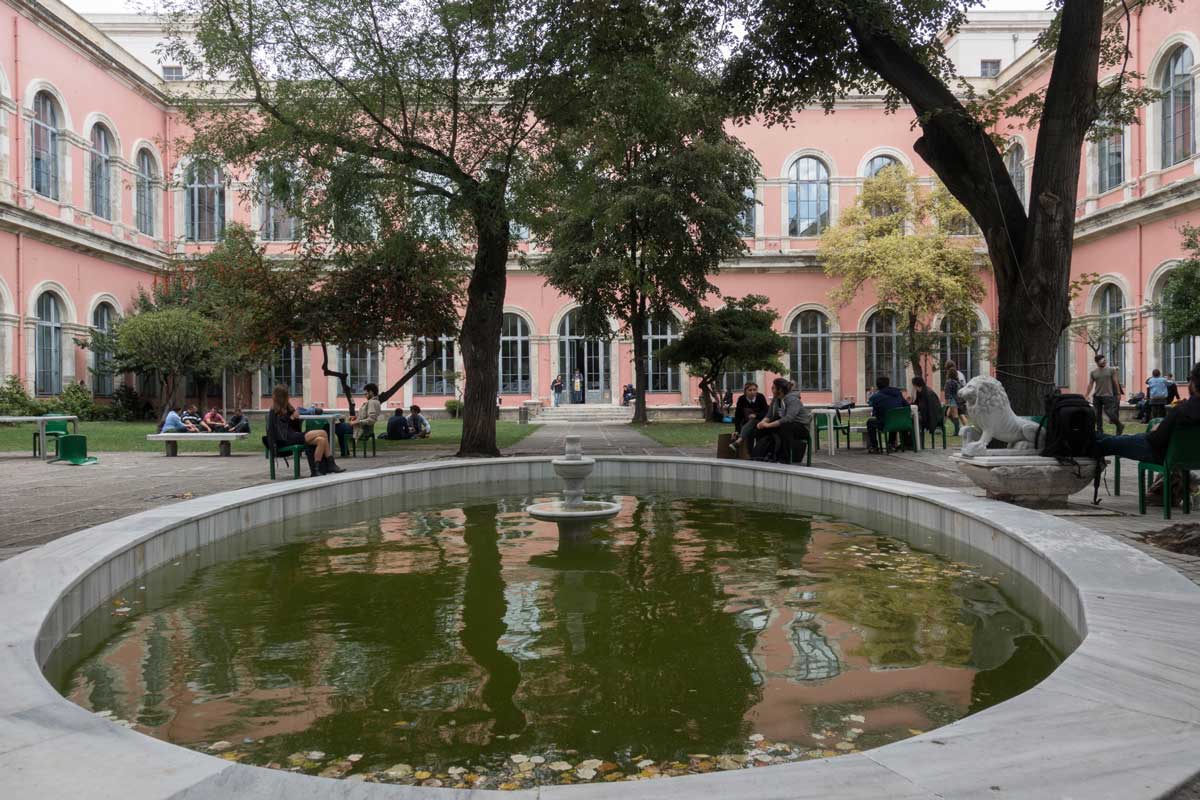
1161	392
1152	446
771	431
188	420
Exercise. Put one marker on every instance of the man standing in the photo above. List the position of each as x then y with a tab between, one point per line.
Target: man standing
1108	391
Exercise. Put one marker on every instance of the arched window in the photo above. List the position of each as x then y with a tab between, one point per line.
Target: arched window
1112	323
147	177
514	355
1110	162
960	344
286	368
43	144
748	217
360	362
1014	161
588	355
808	198
204	202
101	171
437	378
878	163
1177	107
102	379
810	362
883	350
279	223
662	376
48	353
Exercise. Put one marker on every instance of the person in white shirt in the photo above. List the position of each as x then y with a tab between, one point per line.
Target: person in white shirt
420	426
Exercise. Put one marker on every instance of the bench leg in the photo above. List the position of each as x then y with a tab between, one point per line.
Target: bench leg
172	448
224	448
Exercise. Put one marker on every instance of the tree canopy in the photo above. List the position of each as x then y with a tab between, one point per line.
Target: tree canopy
738	336
896	242
1179	306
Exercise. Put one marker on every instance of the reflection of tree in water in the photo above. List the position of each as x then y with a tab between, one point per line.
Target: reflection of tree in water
661	671
483	612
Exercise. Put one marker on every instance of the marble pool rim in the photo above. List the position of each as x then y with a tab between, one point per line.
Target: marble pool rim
1119	718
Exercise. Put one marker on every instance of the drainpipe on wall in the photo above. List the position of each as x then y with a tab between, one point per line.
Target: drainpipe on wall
18	160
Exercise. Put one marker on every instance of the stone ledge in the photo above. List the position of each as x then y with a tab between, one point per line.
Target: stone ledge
1119	719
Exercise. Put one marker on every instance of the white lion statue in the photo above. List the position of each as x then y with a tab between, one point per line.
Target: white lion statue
992	418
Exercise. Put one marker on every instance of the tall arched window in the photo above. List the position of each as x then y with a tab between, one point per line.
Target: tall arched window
514	355
204	202
100	171
662	376
1112	323
808	198
360	362
1014	161
878	163
48	354
1110	162
279	223
1177	107
286	368
102	379
810	361
147	177
883	350
587	355
438	377
960	344
43	145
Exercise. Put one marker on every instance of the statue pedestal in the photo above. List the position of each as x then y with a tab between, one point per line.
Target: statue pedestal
1027	480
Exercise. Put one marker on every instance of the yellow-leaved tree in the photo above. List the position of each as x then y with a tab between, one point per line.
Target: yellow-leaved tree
914	247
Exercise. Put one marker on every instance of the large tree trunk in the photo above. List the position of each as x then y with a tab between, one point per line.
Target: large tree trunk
1030	253
480	338
637	326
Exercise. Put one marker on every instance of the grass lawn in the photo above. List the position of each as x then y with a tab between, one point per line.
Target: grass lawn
113	437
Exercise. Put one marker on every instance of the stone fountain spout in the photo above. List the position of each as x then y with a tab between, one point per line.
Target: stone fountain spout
573	514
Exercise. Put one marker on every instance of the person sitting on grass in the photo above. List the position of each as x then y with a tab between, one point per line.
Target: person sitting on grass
238	423
786	421
929	408
420	426
283	425
173	423
885	398
397	426
214	421
751	408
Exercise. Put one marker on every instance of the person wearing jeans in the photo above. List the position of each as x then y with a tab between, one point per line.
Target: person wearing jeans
1107	386
1152	446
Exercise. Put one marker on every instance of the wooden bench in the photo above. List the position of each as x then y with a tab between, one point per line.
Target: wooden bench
172	440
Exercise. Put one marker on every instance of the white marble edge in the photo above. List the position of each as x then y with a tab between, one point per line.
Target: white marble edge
1094	727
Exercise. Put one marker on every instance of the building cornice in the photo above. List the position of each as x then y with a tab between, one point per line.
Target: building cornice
1169	201
72	237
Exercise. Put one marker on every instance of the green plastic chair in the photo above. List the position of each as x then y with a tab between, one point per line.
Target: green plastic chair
821	423
72	448
1117	460
55	429
273	451
899	420
1183	454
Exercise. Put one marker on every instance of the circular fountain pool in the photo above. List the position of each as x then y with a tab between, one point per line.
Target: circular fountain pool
469	644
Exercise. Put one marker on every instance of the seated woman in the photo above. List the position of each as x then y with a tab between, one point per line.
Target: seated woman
751	408
283	426
929	408
173	423
786	422
214	421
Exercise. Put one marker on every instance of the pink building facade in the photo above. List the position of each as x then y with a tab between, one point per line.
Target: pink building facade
93	198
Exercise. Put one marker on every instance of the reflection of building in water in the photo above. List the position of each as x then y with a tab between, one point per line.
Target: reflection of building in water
522	621
815	658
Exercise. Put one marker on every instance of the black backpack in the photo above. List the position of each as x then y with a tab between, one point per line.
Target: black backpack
1068	433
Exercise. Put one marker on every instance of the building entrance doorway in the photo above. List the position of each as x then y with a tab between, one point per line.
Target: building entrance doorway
587	355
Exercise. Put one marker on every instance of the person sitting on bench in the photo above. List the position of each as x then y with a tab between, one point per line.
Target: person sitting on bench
173	423
786	421
214	421
751	409
237	422
191	417
397	426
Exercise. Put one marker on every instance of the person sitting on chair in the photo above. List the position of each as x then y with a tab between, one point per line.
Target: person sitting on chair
398	427
929	408
1152	446
420	426
885	398
366	419
283	425
786	421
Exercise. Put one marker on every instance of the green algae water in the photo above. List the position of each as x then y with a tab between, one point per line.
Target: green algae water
468	646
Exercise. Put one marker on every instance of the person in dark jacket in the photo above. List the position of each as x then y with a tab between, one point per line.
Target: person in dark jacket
1152	446
283	426
929	408
750	408
885	398
786	421
398	427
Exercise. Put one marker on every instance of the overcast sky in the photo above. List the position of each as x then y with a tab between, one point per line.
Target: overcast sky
118	6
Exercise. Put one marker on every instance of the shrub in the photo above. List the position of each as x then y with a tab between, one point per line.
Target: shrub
454	408
15	402
127	404
75	400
